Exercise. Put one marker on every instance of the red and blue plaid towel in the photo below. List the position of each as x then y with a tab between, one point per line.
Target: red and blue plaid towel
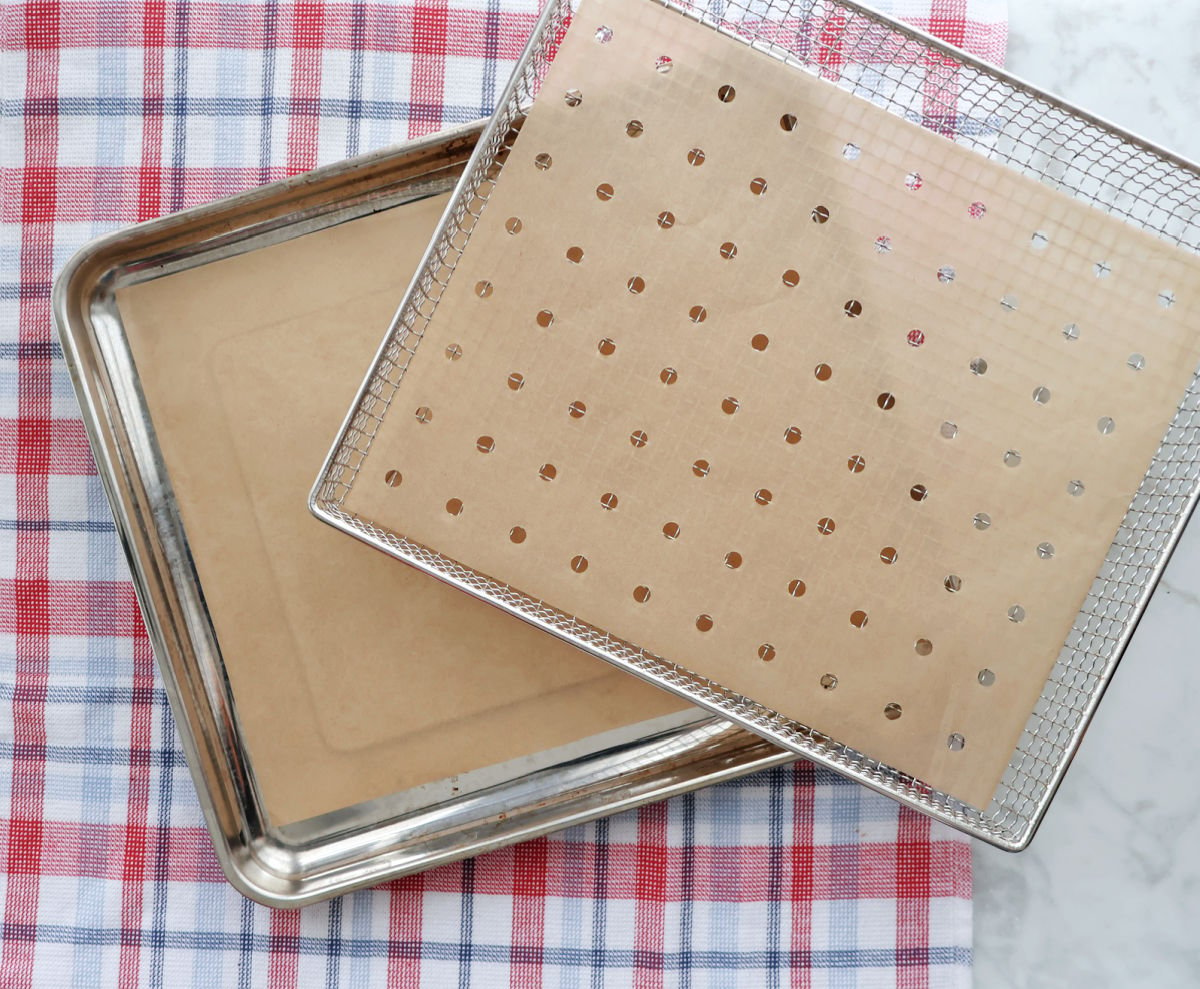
117	111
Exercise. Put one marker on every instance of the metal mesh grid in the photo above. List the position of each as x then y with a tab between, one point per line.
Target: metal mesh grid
929	84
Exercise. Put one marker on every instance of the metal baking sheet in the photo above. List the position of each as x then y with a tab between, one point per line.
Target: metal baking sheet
275	858
986	112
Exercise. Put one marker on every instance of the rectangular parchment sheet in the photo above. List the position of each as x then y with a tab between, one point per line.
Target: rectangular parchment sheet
895	397
353	677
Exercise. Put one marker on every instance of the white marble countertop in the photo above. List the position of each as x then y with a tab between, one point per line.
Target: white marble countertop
1108	894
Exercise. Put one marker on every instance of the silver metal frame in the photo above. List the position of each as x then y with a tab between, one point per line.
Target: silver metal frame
410	831
1001	118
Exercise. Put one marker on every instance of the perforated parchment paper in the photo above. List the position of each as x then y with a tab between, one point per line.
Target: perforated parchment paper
789	391
353	677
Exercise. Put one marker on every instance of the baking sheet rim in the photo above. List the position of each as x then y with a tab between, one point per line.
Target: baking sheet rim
256	858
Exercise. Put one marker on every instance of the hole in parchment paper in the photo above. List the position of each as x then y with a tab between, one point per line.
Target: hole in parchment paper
636	285
1039	240
918	492
856	464
663	63
668	375
953	583
517	534
945	274
858	619
696	157
948	429
605	192
516	381
977	210
579	563
792	435
424	414
889	555
547	472
697	314
915	338
1045	551
1075	488
829	681
982	521
393	478
726	93
545	319
955	742
608	501
639	438
853	308
513	225
671	530
791	278
701	468
730	405
1166	298
758	186
1102	269
883	244
851	152
1105	425
483	289
1009	302
453	352
542	161
892	711
913	181
733	559
986	678
1016	614
923	647
729	250
575	254
1041	394
766	652
1012	458
666	219
979	366
572	97
820	214
635	128
763	496
704	622
1071	331
577	410
1135	362
485	444
641	594
760	341
823	372
788	121
454	506
607	347
886	401
604	34
796	588
826	526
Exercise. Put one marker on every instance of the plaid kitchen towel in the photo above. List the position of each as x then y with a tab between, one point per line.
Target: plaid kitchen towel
114	111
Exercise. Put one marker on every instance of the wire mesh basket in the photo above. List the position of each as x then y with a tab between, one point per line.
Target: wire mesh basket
977	107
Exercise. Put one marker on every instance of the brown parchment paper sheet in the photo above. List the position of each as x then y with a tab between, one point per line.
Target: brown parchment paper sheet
939	206
353	677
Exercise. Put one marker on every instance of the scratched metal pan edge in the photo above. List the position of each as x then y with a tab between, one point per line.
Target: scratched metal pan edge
367	843
1037	134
